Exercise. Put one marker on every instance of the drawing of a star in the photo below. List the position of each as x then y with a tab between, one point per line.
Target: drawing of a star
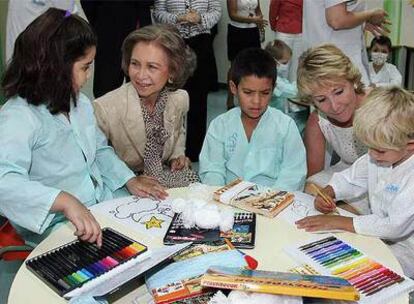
153	223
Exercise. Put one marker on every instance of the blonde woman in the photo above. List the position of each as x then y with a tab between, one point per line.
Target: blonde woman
329	81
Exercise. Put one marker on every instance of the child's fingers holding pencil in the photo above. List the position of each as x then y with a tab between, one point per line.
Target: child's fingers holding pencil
323	202
322	206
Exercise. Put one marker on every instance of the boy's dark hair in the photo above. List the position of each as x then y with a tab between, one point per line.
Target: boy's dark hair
253	61
44	53
382	40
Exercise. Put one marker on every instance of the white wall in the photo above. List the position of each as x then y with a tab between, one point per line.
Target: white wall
407	20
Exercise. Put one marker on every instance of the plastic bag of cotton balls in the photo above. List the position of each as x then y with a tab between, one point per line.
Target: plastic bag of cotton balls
199	191
197	212
241	297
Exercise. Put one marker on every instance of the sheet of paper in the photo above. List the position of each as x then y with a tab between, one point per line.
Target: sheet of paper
302	206
145	215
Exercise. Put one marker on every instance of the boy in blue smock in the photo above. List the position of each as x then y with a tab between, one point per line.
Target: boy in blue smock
253	141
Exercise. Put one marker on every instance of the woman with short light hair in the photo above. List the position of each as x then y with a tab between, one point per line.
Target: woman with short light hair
329	81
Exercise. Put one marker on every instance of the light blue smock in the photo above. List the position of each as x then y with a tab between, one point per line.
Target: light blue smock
43	154
274	157
284	89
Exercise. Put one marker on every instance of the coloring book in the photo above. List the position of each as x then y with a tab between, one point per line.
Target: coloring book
141	214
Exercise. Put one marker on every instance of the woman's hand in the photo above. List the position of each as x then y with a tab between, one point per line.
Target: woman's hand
378	17
146	186
87	228
180	163
193	17
326	222
261	23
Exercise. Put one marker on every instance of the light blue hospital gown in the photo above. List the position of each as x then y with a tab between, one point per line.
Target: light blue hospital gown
274	157
42	154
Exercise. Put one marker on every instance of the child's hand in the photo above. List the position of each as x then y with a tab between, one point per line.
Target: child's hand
146	186
327	205
180	163
325	222
87	228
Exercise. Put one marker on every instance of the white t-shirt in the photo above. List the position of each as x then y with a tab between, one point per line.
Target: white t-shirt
387	76
22	12
245	8
316	31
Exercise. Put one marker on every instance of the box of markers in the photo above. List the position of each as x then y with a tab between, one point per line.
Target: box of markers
329	255
72	265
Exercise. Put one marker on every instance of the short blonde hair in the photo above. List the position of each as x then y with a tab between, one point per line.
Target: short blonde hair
323	66
277	48
385	119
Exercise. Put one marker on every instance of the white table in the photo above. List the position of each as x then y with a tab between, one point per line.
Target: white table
272	236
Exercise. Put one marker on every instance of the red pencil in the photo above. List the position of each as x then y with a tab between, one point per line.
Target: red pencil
251	262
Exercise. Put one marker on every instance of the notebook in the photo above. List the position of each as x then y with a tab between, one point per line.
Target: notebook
242	235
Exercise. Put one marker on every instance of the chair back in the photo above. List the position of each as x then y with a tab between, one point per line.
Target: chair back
12	246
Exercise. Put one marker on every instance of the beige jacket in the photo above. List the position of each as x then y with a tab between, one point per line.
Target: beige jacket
119	116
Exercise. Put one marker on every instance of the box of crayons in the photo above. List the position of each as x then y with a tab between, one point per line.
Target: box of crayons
72	265
330	255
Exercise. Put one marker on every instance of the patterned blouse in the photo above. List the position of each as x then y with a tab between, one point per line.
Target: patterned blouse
167	11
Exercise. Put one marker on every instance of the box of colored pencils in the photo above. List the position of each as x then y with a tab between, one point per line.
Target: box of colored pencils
283	283
72	265
330	255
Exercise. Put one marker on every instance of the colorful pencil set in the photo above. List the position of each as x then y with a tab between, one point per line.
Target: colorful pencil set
332	256
283	283
71	265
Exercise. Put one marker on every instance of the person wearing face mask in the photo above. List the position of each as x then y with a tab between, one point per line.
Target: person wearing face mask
382	73
284	89
285	19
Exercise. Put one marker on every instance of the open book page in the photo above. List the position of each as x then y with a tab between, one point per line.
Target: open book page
147	216
302	207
